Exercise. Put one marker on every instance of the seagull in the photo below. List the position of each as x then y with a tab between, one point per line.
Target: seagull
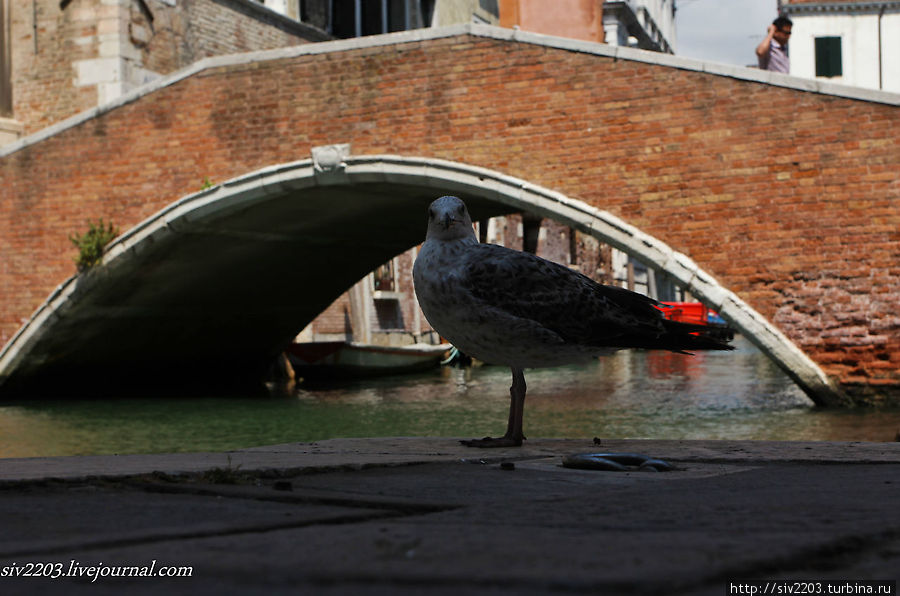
513	308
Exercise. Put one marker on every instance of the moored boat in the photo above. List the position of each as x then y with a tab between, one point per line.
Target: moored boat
350	359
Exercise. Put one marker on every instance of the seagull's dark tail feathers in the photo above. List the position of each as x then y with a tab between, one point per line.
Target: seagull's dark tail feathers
687	337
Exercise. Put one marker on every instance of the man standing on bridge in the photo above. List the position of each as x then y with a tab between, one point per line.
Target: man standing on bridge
772	52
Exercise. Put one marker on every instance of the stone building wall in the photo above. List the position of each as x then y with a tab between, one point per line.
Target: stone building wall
72	56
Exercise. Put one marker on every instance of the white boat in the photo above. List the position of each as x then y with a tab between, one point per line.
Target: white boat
341	358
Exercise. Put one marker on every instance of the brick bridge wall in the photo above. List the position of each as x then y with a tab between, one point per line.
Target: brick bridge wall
790	198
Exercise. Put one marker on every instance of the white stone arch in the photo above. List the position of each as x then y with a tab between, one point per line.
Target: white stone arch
333	167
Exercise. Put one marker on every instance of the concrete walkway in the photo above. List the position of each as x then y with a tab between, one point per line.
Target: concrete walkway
426	515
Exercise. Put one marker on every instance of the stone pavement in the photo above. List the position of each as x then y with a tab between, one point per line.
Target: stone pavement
428	516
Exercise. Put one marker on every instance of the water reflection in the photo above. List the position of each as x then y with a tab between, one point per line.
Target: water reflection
714	395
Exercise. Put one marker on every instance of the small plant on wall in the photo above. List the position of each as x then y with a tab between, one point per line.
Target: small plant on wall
90	245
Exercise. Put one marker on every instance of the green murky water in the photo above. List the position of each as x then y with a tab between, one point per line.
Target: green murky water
736	395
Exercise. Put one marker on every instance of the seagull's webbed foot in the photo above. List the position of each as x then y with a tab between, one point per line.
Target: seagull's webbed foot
514	435
488	442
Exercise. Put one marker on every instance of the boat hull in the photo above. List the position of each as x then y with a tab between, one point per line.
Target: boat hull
345	359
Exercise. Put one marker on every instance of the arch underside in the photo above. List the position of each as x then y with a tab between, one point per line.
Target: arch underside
211	288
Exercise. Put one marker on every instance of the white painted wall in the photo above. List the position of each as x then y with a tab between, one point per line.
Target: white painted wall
859	47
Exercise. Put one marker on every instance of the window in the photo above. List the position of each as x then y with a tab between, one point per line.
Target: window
491	6
354	18
343	18
383	278
828	57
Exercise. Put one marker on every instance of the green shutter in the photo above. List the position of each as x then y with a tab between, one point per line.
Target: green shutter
828	57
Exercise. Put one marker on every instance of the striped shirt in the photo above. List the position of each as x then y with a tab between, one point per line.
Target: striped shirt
777	59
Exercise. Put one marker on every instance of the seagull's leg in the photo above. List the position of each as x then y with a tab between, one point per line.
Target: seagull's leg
514	434
516	406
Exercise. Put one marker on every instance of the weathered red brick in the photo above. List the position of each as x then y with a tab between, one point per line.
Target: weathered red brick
708	164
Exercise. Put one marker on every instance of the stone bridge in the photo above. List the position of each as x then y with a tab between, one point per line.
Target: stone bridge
776	200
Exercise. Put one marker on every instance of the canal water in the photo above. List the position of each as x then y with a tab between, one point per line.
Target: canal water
632	394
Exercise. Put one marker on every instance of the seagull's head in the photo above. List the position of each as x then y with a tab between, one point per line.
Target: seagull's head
448	219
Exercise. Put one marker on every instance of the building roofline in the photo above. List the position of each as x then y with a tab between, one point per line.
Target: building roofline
475	30
869	6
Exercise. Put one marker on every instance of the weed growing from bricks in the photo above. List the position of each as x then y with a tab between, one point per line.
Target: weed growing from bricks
90	245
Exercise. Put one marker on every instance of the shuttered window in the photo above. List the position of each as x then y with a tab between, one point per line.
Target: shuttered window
828	57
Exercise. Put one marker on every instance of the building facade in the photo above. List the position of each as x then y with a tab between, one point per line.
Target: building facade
644	24
855	43
61	58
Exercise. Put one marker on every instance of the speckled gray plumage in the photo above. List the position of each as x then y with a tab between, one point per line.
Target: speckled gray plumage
509	307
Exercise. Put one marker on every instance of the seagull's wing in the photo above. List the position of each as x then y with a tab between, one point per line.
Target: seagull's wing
568	303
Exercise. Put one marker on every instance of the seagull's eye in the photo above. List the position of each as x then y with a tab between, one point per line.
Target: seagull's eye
460	210
431	214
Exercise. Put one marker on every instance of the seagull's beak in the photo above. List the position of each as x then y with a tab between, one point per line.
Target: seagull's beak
447	221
